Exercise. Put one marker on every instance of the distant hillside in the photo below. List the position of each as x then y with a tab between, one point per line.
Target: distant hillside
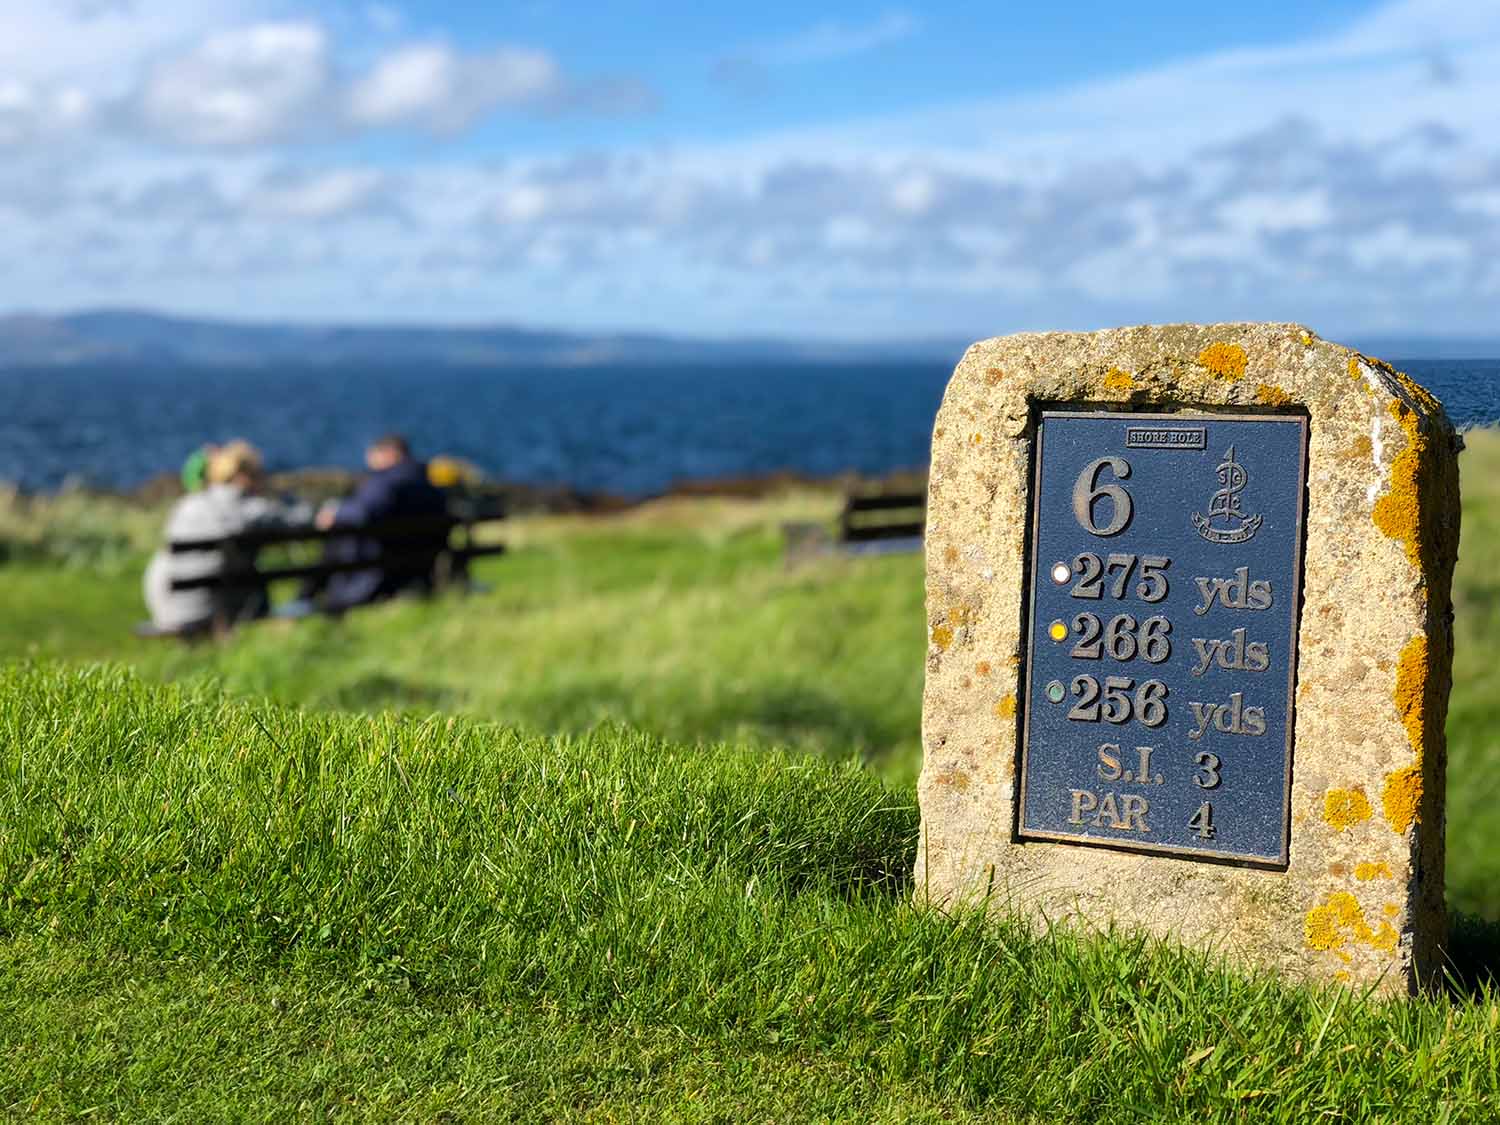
122	336
105	336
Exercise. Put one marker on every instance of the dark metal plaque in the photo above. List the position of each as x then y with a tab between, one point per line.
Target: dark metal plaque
1165	571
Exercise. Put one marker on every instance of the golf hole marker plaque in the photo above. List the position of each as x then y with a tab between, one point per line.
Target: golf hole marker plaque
1165	579
1189	642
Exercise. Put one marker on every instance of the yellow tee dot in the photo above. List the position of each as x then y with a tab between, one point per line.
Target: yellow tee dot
1059	631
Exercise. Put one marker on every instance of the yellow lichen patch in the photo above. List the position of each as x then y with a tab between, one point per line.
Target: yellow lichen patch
1324	926
1361	448
976	439
1364	872
1117	380
1271	396
1006	708
1424	398
1344	808
942	636
1403	796
1338	920
1227	361
1423	489
1355	371
950	555
953	779
1307	338
1390	909
1398	512
1411	685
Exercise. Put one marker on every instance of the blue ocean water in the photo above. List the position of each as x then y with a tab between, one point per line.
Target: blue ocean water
627	430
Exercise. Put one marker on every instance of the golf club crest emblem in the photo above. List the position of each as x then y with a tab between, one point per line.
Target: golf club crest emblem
1235	526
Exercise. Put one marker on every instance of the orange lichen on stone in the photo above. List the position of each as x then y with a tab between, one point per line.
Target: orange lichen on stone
1361	449
1354	369
1344	808
1338	921
948	622
950	555
1384	938
1006	708
976	439
1412	675
1423	491
1364	872
1325	925
1271	396
983	667
1117	380
1227	361
955	779
1425	398
1403	796
993	376
1398	512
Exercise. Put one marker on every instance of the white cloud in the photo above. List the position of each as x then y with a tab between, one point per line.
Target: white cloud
1336	182
433	86
100	43
248	85
28	112
321	195
832	40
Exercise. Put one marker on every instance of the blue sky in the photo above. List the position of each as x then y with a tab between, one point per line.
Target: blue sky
844	170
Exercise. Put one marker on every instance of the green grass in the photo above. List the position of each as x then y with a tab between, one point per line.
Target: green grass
680	621
232	899
207	899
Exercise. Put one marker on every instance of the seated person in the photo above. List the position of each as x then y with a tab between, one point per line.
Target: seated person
229	503
396	488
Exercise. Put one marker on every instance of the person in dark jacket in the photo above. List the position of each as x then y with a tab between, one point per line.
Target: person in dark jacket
396	488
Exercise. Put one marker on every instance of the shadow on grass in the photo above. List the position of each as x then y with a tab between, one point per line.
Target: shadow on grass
1473	953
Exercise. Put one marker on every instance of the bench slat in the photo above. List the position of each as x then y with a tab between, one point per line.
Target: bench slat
415	565
885	502
386	529
883	531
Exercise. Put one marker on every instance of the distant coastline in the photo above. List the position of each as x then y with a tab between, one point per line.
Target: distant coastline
101	337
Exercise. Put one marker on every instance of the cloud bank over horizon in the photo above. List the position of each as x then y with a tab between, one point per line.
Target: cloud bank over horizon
234	157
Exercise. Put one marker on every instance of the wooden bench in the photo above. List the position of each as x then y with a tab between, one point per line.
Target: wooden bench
425	552
869	524
883	523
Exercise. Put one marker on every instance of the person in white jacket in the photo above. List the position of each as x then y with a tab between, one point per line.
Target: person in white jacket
230	503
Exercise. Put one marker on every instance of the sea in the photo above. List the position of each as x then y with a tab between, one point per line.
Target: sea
630	431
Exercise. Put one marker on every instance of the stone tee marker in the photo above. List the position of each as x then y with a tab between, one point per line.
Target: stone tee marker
1190	644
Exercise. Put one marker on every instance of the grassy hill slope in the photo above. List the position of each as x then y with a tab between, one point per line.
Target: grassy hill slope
226	897
206	897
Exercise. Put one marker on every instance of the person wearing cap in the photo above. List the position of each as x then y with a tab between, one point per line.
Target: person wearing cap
229	503
195	469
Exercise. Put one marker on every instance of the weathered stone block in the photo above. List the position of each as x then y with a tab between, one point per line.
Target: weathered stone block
1359	897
